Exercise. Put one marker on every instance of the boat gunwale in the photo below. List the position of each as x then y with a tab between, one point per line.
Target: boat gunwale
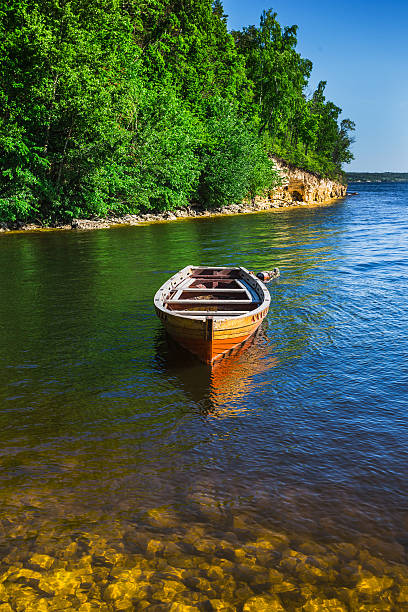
178	276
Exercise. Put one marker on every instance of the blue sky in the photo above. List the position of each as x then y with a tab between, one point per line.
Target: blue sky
361	49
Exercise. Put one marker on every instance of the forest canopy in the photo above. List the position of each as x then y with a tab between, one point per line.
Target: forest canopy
118	106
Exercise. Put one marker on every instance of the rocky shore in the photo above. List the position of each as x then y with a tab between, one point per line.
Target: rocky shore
298	188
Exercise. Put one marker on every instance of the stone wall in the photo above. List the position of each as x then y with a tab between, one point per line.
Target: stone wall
305	187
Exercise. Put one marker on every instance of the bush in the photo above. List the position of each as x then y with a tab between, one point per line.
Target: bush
153	165
165	157
234	163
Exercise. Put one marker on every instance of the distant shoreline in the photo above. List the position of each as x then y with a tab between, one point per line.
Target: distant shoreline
378	182
377	177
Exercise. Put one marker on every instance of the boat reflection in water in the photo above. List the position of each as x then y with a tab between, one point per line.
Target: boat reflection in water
217	390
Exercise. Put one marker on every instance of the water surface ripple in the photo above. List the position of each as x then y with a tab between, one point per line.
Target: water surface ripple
278	479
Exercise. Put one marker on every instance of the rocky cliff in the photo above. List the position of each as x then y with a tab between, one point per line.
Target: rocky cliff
300	186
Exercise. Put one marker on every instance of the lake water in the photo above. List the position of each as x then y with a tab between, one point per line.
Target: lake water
133	478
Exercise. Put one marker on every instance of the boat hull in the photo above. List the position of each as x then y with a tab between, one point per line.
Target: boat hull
211	336
211	345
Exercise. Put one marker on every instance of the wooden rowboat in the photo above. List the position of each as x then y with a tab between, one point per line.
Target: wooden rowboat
211	310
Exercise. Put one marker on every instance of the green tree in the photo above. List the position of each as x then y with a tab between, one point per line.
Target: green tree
165	152
278	72
234	163
332	140
189	40
65	75
119	106
304	132
341	152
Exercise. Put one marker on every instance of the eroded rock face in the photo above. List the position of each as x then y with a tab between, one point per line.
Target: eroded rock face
300	186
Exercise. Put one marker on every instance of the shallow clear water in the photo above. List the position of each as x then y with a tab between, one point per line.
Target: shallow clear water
115	442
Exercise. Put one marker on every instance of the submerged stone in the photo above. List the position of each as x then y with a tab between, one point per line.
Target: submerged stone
41	561
112	557
313	548
70	550
171	549
191	598
60	582
379	606
100	574
283	587
218	605
154	547
289	564
205	545
26	575
124	605
346	550
373	564
403	595
129	574
251	573
308	592
239	522
122	589
142	605
244	556
374	584
216	573
193	534
276	539
13	569
310	573
84	564
168	590
324	605
161	518
275	577
23	598
3	593
182	607
226	565
243	592
93	605
263	604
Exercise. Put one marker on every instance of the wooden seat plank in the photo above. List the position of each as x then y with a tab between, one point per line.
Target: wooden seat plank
208	302
206	313
209	290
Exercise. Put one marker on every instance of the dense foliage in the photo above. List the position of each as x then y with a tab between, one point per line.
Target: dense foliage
121	106
305	132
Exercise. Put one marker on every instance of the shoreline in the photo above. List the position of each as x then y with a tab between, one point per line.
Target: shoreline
190	212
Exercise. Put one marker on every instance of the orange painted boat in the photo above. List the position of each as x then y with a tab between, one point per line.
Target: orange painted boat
210	311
